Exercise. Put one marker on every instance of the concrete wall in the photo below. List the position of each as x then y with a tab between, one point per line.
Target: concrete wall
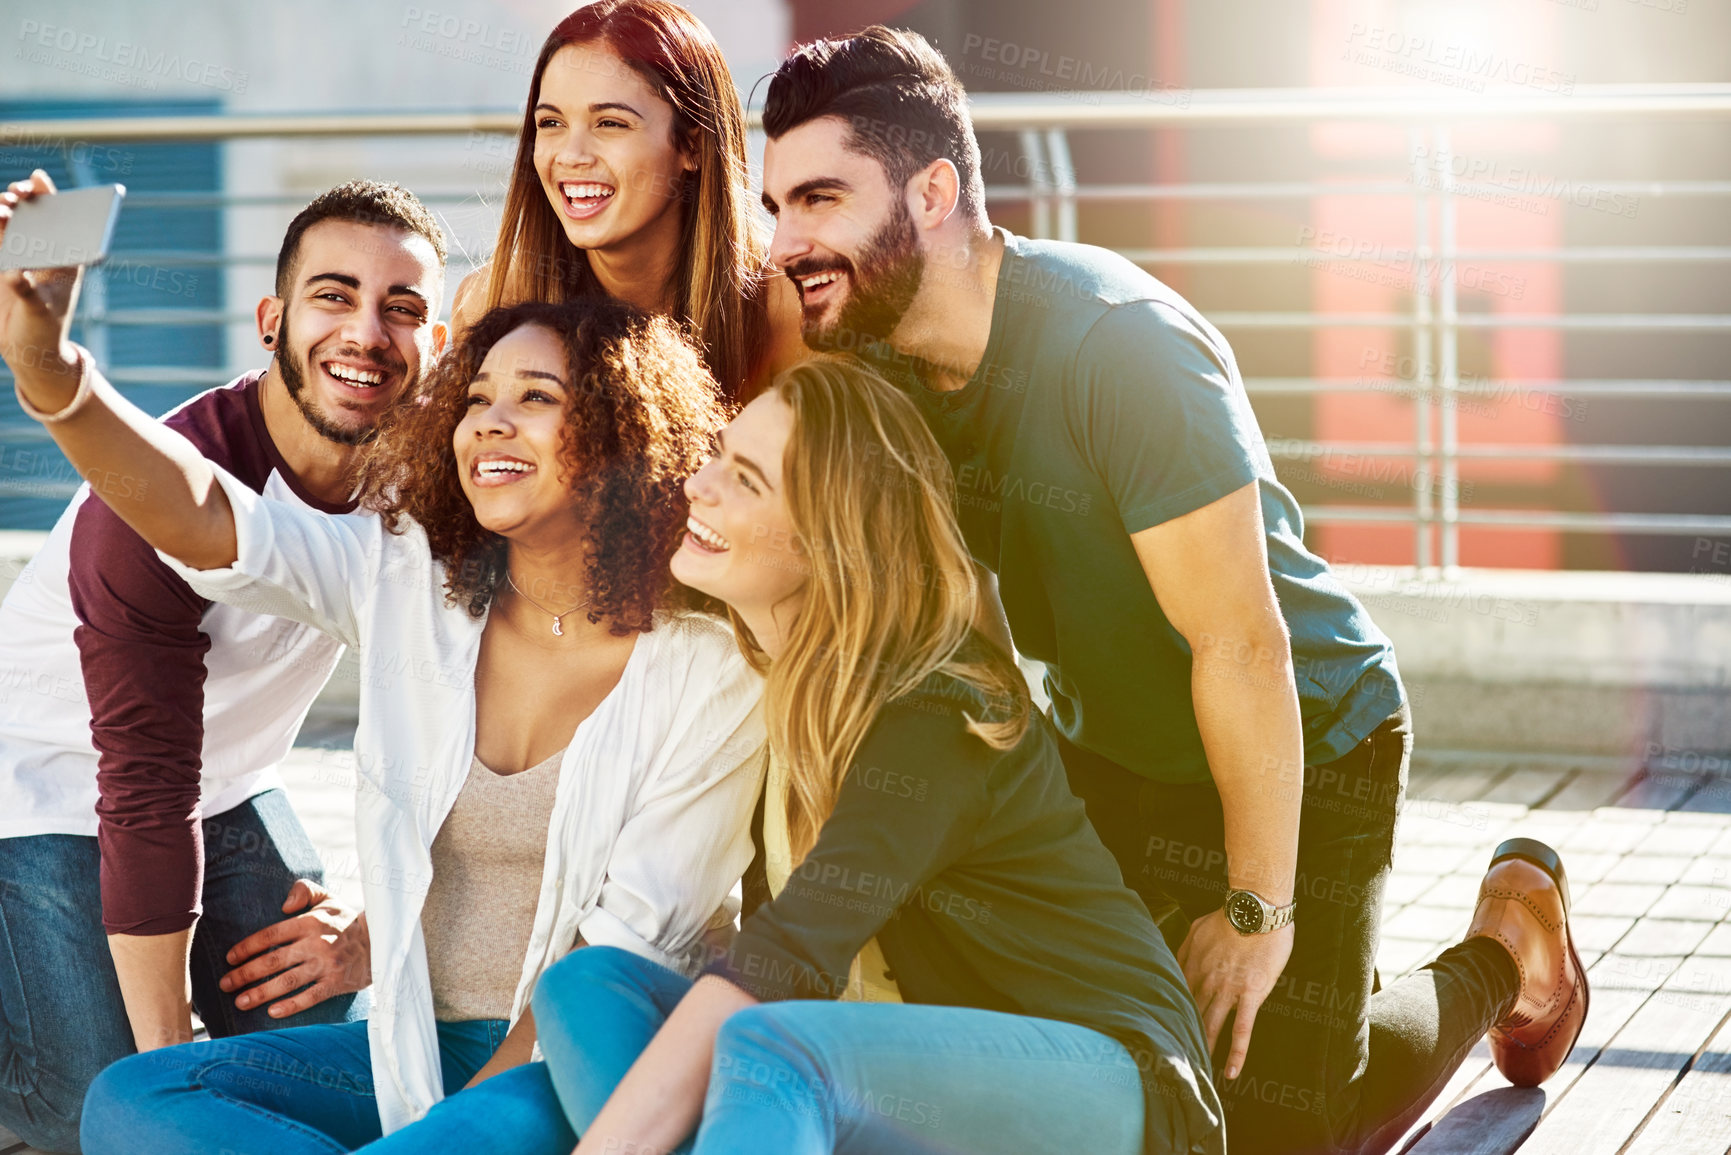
1635	665
1587	663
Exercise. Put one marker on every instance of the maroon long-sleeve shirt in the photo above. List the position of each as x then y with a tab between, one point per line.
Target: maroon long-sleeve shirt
186	706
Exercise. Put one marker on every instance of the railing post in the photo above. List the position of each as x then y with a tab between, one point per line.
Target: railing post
1064	180
1039	182
1448	360
93	303
1421	354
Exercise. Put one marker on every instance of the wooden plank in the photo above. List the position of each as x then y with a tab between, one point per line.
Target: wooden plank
1610	1009
1713	797
1631	1076
1460	1084
1591	789
1468	782
1493	1123
1663	936
1529	785
1629	899
1696	1115
1659	790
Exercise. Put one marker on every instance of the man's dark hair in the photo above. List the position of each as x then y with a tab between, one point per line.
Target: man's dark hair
367	202
902	105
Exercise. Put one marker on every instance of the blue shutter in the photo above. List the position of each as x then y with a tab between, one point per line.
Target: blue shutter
163	263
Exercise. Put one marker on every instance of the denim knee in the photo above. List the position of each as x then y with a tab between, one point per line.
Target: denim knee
761	1055
564	984
114	1111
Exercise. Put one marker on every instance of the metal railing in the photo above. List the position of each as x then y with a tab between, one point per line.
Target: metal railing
1042	124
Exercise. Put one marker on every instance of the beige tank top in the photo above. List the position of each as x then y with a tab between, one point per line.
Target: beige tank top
868	979
480	908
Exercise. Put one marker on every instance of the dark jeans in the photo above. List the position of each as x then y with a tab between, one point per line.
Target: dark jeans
1333	1067
61	1016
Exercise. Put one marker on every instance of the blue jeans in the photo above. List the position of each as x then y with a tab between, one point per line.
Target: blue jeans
308	1091
802	1078
61	1016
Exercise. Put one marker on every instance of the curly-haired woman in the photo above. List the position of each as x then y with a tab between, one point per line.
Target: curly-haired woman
554	747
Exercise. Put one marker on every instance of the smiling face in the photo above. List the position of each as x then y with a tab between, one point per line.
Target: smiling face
357	328
509	440
843	235
740	545
605	152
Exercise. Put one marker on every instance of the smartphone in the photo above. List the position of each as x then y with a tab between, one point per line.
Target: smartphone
67	228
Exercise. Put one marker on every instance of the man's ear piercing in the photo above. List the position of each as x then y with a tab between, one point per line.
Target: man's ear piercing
268	338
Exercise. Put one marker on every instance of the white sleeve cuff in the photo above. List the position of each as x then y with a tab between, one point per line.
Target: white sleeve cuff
603	928
252	543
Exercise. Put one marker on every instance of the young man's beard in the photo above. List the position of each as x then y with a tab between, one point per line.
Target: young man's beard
288	363
883	280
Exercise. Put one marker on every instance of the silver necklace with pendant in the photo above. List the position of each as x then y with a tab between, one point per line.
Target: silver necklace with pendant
557	631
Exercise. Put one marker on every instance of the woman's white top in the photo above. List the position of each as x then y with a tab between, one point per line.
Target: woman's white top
651	823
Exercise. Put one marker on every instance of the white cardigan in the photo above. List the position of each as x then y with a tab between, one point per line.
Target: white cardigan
651	824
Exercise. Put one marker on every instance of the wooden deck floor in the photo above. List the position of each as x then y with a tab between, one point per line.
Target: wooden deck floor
1649	863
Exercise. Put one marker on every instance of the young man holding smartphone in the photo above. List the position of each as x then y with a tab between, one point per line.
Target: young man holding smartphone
1230	715
147	851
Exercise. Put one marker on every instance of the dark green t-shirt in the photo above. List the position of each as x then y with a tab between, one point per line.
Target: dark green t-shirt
1105	405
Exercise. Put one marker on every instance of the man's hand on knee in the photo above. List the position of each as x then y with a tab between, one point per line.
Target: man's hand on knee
302	961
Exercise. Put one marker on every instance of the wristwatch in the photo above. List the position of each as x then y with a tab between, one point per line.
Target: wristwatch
1250	913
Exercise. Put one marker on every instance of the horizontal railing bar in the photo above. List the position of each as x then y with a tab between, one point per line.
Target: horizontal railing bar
1477	391
1656	321
1300	449
1654	523
991	112
201	376
1401	256
1662	321
190	258
1211	190
1267	255
1225	320
1304	190
155	199
1214	190
25	487
1259	386
1224	107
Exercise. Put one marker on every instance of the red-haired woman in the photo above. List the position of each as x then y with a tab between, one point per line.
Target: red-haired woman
630	181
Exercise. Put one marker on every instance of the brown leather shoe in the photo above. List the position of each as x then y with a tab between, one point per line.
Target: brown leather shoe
1524	904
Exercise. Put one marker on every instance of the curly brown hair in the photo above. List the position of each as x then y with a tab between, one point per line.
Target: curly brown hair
640	417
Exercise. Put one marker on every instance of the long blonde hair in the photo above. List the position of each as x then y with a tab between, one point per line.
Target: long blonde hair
891	592
723	259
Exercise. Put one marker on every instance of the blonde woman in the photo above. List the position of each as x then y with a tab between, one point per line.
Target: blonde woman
630	181
950	960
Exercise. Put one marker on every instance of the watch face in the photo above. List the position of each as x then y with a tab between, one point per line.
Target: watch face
1244	912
